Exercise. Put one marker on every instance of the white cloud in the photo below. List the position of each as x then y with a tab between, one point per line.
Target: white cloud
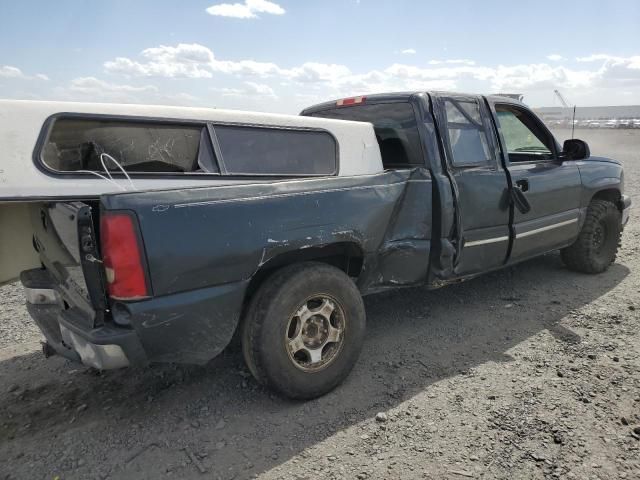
93	85
248	9
316	72
95	90
554	57
250	89
183	60
538	76
408	51
330	80
8	71
197	61
92	89
461	61
439	73
632	63
597	57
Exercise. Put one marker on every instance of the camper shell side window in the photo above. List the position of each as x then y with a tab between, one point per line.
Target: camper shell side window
80	144
83	144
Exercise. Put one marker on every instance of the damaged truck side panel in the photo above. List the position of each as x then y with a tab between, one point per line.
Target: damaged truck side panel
375	227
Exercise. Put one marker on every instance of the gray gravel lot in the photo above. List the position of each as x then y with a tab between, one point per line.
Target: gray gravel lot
529	372
16	326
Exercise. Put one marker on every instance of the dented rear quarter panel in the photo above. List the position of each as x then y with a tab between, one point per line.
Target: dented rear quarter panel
200	237
205	245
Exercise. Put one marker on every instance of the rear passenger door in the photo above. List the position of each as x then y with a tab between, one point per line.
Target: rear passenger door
551	186
473	162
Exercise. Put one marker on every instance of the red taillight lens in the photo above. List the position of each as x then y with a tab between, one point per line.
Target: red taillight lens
350	101
122	257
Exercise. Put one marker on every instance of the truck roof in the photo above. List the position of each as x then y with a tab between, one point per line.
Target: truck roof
397	97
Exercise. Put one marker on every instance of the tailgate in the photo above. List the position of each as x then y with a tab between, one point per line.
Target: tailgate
66	239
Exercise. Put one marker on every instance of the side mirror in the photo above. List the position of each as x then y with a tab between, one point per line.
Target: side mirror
575	149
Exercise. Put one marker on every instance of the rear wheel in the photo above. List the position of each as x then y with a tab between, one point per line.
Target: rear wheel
304	329
597	244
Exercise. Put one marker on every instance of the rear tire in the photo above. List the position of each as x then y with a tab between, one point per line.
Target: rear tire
303	330
597	244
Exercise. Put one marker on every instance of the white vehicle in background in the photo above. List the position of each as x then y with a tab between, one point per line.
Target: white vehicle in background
613	123
635	123
594	124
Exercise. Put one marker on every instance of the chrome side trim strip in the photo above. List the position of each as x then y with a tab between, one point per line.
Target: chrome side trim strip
287	194
486	241
547	228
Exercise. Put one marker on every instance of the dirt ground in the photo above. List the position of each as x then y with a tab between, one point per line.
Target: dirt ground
530	372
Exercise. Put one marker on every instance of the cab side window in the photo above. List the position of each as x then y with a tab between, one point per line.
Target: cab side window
466	133
525	138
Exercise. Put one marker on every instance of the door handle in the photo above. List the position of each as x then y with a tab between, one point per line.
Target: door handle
519	199
523	185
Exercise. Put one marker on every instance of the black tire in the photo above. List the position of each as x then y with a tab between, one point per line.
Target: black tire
597	244
273	312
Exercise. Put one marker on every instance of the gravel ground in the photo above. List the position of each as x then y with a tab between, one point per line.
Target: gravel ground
16	326
530	372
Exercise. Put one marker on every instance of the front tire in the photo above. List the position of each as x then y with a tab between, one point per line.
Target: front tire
597	244
303	330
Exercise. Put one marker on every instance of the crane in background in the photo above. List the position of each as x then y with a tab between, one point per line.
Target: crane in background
565	104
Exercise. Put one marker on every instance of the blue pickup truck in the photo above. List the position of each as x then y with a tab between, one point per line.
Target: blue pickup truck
289	220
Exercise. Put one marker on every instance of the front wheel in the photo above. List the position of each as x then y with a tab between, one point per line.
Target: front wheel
597	244
303	330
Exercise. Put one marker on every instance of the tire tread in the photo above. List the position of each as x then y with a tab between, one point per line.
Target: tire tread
580	256
257	315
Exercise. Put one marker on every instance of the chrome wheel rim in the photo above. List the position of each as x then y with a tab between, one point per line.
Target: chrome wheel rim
315	333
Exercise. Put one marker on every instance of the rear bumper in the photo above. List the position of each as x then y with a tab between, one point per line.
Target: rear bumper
67	331
186	327
106	347
625	207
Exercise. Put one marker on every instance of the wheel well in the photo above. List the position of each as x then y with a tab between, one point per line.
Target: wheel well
610	195
346	256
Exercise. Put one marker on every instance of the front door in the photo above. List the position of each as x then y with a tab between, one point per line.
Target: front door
551	186
474	163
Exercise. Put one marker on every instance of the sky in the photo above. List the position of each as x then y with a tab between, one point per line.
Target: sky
283	55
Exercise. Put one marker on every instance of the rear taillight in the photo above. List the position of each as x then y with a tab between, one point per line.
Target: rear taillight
122	257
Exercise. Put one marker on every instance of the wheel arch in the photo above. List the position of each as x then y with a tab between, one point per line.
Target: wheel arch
346	256
613	195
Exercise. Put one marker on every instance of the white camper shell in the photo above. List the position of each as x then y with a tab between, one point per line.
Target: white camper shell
65	151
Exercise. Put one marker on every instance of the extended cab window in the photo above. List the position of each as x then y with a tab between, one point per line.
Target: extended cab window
526	140
395	127
78	144
466	132
276	151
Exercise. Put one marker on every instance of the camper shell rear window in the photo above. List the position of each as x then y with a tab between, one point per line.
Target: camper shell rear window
79	144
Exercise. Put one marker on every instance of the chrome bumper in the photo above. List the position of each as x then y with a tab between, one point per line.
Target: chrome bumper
105	347
102	357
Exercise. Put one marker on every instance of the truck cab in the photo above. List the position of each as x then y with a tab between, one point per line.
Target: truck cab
507	190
